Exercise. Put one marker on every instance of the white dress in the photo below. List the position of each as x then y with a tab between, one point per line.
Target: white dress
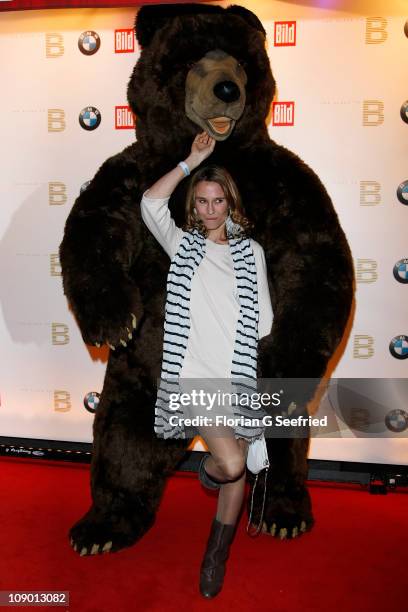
214	307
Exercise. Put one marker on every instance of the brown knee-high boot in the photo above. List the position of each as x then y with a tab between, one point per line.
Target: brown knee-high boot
213	564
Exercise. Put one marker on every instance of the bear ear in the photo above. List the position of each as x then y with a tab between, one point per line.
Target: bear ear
148	20
248	16
153	17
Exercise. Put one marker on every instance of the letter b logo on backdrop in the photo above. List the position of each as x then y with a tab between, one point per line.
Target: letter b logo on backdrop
54	44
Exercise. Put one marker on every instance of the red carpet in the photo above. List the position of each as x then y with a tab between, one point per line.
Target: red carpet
354	559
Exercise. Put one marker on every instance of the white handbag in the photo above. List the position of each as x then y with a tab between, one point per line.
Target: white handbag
257	460
257	456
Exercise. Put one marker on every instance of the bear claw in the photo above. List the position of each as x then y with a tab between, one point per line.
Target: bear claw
291	408
129	334
283	532
95	550
107	546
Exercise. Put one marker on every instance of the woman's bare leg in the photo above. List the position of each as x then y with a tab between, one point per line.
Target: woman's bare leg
231	494
227	462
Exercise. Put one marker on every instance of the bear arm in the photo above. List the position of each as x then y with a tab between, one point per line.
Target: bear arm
313	292
101	241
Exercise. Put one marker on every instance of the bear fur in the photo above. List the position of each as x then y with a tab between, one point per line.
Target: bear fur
112	266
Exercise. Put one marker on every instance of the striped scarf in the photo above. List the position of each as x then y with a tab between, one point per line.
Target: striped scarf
177	325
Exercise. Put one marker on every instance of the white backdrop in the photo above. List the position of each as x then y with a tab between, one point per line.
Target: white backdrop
342	80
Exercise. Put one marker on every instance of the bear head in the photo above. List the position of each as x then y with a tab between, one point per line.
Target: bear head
201	67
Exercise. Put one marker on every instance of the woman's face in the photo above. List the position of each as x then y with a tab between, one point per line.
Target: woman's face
211	204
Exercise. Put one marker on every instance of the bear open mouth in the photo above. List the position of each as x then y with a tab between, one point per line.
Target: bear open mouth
221	125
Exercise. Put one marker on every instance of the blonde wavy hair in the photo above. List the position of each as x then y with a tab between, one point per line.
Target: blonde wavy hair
219	175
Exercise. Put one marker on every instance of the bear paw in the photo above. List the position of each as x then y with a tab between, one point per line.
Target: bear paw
96	534
287	514
121	341
287	529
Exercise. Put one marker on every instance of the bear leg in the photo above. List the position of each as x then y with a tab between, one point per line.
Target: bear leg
288	509
129	468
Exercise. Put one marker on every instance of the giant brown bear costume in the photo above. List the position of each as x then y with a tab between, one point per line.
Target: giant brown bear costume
201	67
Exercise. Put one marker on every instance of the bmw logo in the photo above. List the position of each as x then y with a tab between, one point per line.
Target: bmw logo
402	192
404	111
400	271
84	186
89	42
89	118
399	347
91	401
397	420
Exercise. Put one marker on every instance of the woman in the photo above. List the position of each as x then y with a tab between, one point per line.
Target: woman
217	307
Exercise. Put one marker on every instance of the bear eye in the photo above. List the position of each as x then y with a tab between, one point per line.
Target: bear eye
190	65
243	63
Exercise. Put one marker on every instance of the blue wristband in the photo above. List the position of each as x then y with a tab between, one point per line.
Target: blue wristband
184	168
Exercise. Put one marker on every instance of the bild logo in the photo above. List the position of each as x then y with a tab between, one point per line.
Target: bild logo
91	401
399	347
283	113
89	118
89	42
125	40
124	118
285	34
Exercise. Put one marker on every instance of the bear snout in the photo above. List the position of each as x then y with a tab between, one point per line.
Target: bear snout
215	93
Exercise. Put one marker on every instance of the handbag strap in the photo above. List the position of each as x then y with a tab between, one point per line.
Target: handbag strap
256	532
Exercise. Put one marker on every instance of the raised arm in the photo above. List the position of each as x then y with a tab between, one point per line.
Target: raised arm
156	215
154	204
